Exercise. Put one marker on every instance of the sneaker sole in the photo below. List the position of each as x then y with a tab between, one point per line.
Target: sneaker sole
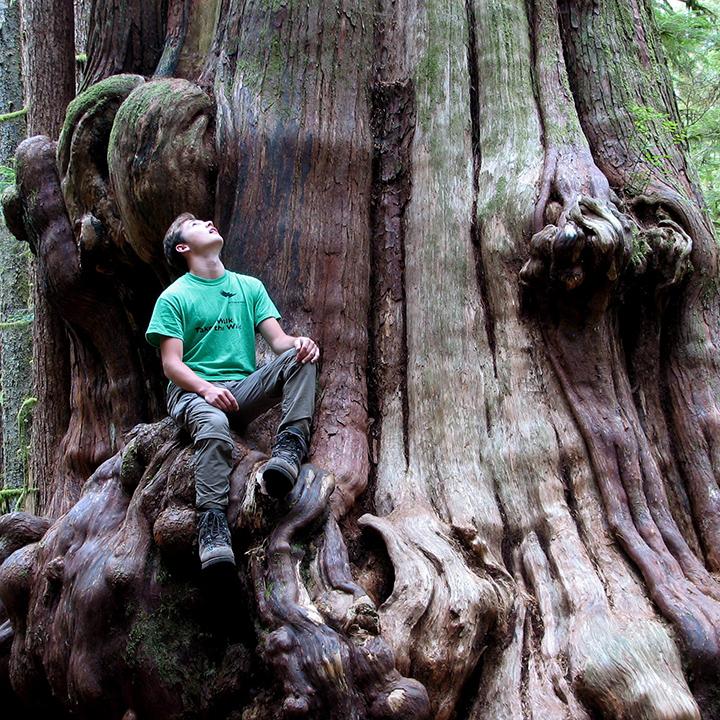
217	558
278	483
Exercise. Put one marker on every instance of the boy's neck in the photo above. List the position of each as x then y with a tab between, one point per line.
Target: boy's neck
206	268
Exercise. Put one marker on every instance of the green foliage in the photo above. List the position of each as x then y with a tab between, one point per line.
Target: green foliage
24	422
645	117
640	249
268	590
16	322
7	178
650	123
690	33
13	499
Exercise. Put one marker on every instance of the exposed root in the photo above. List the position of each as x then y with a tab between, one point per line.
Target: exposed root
574	272
651	169
326	668
440	613
662	248
635	674
117	580
19	529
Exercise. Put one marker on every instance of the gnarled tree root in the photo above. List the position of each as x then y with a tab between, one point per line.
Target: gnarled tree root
575	271
327	648
109	616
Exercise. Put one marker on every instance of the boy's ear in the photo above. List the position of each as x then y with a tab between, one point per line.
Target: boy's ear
182	248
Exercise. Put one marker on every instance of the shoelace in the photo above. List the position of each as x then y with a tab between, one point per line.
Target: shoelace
216	528
286	444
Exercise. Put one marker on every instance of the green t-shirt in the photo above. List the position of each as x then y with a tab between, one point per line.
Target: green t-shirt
216	320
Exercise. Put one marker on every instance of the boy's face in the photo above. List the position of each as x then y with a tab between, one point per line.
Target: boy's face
199	237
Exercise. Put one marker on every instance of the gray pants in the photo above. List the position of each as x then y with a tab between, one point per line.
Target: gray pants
283	380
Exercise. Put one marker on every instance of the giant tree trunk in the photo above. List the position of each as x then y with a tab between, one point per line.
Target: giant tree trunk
512	507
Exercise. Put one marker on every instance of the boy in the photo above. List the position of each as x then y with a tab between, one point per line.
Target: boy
204	324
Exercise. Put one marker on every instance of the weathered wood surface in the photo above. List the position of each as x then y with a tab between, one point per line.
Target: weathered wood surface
511	508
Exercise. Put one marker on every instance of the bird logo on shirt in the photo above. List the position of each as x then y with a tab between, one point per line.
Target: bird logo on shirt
227	294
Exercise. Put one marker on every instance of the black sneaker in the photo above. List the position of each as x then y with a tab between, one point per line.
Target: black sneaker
281	471
214	542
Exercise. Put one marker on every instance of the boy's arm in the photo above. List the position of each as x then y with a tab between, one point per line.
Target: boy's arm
171	352
279	341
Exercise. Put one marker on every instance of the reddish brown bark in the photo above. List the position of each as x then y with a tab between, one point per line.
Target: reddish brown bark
296	179
393	121
689	368
190	30
48	63
123	37
82	280
509	511
49	79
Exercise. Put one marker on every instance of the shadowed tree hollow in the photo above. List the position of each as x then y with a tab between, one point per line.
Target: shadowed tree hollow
511	509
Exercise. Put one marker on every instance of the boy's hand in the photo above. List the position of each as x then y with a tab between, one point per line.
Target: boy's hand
221	398
307	350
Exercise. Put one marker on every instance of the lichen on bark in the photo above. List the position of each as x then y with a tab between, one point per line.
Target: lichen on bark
509	510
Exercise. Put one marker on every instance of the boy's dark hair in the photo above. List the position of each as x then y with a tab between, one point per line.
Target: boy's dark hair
173	237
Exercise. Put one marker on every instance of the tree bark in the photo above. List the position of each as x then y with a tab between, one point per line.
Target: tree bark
49	78
510	509
82	21
125	37
48	31
15	310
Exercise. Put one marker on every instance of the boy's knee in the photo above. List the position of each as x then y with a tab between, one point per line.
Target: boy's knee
216	426
290	357
293	368
310	369
289	361
306	372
